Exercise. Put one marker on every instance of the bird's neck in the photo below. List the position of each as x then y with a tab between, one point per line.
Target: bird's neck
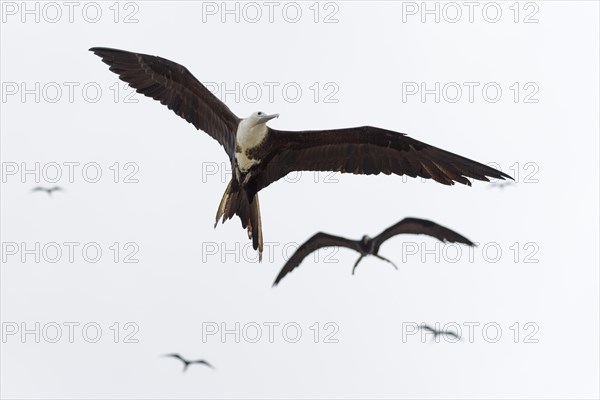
250	135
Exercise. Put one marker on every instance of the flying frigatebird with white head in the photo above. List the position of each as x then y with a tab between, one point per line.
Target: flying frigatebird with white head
260	155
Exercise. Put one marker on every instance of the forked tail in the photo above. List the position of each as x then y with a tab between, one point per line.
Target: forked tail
235	202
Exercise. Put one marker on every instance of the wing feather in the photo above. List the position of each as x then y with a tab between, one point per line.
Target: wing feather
174	86
363	150
204	362
317	241
420	227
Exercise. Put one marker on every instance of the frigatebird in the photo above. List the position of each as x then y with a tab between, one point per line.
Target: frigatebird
260	155
186	363
370	246
436	332
47	190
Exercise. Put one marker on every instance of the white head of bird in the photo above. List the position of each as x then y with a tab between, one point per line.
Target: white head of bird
259	117
252	130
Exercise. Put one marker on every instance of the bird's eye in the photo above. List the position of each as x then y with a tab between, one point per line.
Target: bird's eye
260	113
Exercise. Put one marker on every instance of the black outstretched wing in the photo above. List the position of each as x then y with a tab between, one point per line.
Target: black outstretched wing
177	356
363	150
427	328
420	227
204	362
316	242
174	86
450	333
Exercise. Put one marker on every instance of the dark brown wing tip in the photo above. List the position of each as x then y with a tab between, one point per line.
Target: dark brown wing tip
109	55
101	51
486	175
497	174
455	237
106	50
503	176
464	240
494	174
284	272
280	276
451	237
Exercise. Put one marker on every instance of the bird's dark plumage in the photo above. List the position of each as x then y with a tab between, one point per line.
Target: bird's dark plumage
174	86
407	225
47	190
316	242
436	332
419	226
186	363
361	150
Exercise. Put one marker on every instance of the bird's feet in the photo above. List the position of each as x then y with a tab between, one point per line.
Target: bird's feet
385	259
356	264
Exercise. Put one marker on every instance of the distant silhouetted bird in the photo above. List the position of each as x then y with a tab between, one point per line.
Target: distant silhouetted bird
186	363
500	185
367	246
436	333
47	190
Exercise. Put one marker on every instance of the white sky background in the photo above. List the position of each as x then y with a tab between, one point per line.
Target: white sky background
368	56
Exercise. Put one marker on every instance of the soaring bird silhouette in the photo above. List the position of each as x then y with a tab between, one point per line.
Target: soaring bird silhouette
436	332
260	155
370	246
47	190
186	363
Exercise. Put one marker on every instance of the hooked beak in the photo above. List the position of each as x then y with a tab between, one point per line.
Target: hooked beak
268	117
